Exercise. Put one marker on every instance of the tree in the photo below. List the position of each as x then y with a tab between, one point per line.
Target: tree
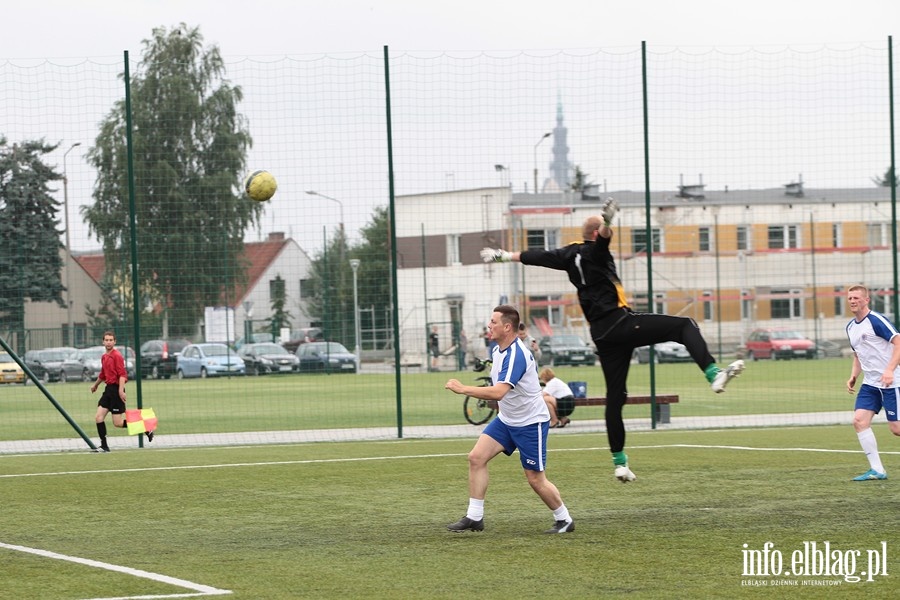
332	280
375	277
280	316
581	180
189	150
30	261
888	180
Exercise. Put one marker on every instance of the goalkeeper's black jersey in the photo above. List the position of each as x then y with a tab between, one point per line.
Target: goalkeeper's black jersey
591	270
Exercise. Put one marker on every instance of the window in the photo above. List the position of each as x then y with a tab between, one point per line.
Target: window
837	235
877	234
880	300
542	239
639	240
783	236
839	301
452	249
642	305
706	299
306	288
743	237
540	307
703	237
788	306
276	289
746	305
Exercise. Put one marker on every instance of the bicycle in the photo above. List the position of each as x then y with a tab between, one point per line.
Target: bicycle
476	410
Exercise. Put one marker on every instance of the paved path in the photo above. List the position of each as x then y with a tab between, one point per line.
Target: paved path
420	432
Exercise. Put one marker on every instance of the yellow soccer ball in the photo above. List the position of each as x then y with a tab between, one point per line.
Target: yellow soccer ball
260	186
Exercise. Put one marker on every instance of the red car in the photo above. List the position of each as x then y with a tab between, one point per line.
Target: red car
777	344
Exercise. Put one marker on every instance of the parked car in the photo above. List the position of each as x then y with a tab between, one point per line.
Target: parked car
254	338
829	349
303	336
777	344
10	371
666	352
89	360
47	364
330	357
268	357
559	350
208	360
160	357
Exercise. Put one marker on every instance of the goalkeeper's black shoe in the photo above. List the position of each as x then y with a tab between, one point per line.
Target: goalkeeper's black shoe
149	436
562	526
467	524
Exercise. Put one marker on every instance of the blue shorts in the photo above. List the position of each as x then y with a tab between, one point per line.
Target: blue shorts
530	440
873	398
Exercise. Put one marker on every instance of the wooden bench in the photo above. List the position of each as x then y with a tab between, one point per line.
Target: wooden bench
663	404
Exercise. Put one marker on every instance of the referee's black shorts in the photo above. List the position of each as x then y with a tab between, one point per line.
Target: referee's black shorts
110	399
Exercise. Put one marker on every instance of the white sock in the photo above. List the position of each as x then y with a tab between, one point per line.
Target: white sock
870	447
476	509
562	513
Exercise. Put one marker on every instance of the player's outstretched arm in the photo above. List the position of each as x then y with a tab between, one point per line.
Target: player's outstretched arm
490	255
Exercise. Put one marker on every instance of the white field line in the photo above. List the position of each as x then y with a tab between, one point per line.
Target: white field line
416	456
201	590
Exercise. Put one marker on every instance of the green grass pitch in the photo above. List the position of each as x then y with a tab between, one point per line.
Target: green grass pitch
367	520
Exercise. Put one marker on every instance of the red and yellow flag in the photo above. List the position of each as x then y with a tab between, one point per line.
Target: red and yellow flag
140	420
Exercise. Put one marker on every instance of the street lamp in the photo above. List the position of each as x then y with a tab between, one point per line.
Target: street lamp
71	324
543	137
354	264
339	203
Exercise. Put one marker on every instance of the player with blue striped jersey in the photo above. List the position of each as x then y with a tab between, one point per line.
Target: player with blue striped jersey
522	424
876	354
515	366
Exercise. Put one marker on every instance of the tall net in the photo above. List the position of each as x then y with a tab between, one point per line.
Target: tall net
765	202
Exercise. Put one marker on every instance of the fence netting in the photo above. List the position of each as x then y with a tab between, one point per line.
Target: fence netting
755	185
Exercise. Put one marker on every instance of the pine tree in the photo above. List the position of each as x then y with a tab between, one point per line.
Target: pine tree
30	245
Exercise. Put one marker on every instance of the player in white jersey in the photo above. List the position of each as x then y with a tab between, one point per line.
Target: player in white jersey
876	354
521	424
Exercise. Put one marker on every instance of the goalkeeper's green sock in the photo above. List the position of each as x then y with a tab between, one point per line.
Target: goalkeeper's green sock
711	371
620	458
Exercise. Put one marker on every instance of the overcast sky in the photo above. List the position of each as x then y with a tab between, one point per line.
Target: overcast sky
82	28
77	29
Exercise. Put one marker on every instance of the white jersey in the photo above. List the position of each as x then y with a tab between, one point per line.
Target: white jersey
557	388
871	339
523	404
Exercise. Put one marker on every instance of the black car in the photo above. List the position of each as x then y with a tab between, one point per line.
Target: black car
665	352
559	350
303	336
330	357
268	357
47	364
159	357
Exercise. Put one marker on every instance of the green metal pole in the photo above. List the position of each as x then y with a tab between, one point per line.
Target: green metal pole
132	211
895	299
647	224
393	237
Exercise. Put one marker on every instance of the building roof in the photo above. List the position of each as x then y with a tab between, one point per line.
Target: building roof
709	197
259	256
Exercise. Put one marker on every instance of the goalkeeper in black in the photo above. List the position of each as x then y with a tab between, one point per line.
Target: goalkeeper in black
616	329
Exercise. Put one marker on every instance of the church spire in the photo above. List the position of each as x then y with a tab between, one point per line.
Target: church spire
559	167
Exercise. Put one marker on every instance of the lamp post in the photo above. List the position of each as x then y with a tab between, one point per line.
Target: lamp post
354	264
339	203
543	137
70	322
